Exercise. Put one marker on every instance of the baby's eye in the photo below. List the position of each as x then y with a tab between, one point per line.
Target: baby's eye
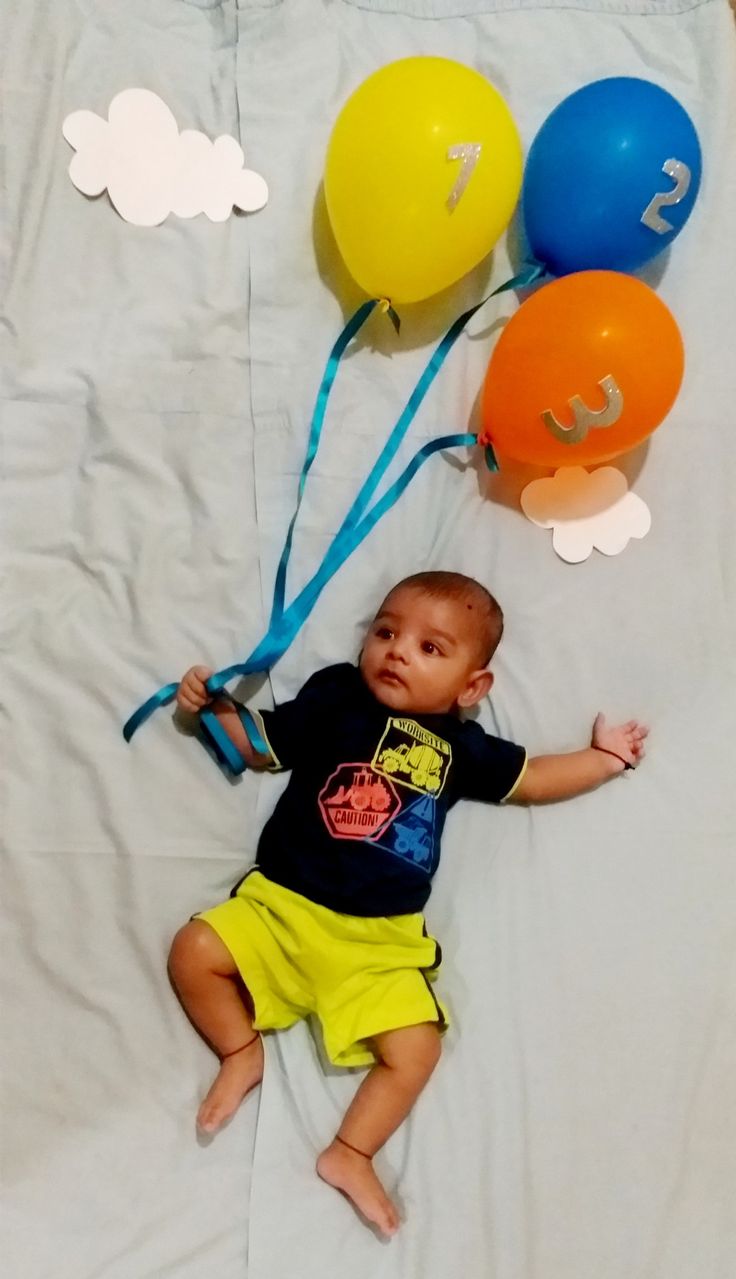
384	632
429	647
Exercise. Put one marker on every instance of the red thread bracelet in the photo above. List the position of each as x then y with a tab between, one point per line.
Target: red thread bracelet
615	754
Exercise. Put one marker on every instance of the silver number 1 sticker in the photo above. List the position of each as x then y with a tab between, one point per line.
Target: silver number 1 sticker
679	171
469	153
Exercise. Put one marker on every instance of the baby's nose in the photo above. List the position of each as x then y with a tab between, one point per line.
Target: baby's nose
399	649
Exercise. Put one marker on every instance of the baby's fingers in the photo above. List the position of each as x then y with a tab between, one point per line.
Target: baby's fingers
638	734
188	700
192	694
191	704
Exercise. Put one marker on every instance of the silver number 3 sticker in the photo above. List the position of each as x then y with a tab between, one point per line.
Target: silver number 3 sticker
469	153
583	417
679	171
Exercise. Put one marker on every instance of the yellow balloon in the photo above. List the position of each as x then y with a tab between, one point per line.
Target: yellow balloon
423	172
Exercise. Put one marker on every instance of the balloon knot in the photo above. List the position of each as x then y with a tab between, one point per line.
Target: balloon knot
385	307
490	457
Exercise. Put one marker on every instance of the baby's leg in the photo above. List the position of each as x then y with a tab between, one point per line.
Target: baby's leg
206	979
407	1058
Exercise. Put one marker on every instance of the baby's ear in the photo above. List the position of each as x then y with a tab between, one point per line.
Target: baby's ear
478	686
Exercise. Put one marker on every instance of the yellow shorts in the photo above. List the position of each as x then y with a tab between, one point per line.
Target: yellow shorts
360	976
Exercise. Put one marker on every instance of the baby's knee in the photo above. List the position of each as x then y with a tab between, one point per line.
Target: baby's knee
413	1051
431	1046
195	946
424	1051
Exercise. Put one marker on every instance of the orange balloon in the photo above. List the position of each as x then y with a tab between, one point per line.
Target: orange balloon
587	368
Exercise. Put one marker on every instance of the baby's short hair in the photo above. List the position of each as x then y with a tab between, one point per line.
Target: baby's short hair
485	617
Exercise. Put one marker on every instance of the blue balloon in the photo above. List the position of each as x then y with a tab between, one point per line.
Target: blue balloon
611	177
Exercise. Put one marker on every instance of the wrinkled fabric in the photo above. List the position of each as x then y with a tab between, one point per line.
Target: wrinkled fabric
157	386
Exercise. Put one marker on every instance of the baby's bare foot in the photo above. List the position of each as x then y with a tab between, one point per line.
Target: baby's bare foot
353	1174
237	1075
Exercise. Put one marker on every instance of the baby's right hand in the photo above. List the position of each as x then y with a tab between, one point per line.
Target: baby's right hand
192	693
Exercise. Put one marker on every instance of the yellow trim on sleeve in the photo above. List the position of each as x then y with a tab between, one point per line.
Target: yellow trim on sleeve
275	764
518	780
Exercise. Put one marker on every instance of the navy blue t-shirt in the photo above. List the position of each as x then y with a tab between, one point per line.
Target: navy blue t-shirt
358	827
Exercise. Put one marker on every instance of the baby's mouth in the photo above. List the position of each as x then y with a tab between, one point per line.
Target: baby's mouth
390	677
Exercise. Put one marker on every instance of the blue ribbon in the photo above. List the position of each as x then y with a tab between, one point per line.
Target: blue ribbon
284	622
275	644
222	744
266	651
351	328
291	621
530	272
490	458
161	698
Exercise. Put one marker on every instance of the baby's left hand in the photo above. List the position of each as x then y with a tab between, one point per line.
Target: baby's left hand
626	740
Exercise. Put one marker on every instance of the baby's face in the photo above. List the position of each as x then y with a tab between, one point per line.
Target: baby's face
420	654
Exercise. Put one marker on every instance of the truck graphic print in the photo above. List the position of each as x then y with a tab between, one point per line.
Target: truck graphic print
357	803
364	791
414	756
412	834
421	764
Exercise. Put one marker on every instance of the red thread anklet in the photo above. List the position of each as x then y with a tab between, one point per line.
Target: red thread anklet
355	1150
241	1048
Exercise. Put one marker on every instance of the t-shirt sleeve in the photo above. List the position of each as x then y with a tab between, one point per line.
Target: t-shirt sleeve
293	727
487	768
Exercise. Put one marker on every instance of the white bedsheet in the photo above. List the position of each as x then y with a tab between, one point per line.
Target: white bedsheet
157	387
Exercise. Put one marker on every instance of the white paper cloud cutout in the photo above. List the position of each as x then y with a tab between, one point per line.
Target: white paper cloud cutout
586	510
150	169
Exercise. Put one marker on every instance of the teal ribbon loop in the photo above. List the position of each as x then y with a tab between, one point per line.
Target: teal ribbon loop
223	747
284	623
344	543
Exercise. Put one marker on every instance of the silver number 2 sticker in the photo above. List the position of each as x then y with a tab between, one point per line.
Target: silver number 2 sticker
583	417
679	171
469	153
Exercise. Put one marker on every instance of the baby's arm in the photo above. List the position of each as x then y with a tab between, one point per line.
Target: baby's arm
192	696
612	750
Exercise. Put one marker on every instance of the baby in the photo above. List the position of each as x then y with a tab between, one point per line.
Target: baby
329	920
